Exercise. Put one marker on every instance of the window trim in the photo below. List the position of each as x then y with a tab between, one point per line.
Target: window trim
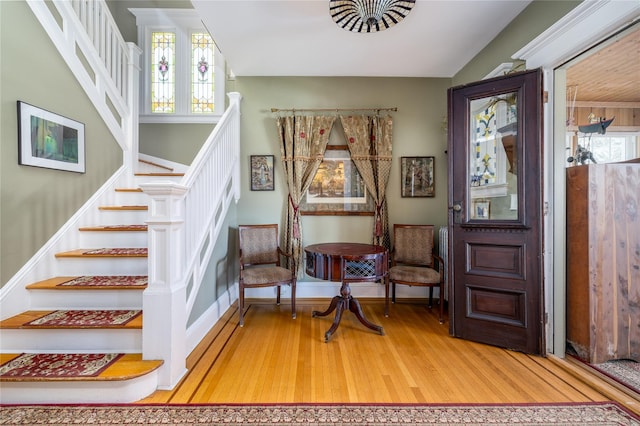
183	22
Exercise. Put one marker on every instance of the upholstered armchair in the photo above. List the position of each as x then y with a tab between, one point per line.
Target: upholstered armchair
260	263
413	262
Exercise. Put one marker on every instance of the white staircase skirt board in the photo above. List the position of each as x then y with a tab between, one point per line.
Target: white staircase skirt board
74	266
117	391
59	340
85	299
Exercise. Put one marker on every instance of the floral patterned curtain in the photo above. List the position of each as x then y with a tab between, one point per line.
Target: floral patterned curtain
369	141
303	140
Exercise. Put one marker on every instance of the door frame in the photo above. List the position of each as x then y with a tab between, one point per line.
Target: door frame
582	28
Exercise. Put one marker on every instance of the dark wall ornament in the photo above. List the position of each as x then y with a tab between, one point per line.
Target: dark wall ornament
261	167
417	176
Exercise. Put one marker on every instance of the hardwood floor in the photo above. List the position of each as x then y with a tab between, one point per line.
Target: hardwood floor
276	359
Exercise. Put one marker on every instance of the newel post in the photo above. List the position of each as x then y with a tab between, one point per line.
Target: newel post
133	103
164	320
234	103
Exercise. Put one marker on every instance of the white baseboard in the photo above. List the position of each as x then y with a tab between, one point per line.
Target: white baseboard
322	289
200	328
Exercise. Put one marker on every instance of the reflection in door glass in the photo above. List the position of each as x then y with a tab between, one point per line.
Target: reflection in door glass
493	186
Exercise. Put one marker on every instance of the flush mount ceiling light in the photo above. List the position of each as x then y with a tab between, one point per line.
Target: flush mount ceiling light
369	16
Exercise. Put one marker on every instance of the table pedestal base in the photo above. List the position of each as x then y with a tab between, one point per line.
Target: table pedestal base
342	303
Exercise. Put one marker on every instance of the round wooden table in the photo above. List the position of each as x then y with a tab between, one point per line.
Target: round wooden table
348	262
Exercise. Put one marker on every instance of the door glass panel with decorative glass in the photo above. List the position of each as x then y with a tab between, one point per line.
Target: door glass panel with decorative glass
493	167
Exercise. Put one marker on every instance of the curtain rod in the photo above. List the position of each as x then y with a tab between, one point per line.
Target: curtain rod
333	109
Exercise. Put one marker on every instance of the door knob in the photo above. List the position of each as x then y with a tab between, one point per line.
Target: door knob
457	207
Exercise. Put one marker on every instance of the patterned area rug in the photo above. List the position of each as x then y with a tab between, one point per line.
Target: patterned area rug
53	366
138	252
624	371
131	227
302	414
107	281
82	318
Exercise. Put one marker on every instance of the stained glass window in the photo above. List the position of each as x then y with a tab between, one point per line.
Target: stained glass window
485	148
183	78
163	83
202	84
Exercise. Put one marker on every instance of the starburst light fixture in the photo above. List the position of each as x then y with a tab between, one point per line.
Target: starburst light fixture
369	16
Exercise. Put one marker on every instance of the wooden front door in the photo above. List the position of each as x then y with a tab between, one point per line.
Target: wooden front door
495	212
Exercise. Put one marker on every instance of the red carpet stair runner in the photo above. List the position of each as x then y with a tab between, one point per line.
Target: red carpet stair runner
84	318
89	363
57	365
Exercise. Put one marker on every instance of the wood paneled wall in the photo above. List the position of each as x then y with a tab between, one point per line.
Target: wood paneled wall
627	115
603	261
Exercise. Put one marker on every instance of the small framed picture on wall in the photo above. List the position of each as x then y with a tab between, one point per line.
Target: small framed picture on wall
417	177
261	169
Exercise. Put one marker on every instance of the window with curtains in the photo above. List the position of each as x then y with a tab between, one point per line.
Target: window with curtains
182	77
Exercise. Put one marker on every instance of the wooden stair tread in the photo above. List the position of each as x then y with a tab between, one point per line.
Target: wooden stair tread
19	322
85	253
128	189
53	284
115	228
123	208
160	174
127	367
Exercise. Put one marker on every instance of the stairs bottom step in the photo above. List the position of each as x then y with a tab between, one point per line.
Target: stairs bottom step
70	367
126	378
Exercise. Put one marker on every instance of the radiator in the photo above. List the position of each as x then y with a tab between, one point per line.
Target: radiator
443	251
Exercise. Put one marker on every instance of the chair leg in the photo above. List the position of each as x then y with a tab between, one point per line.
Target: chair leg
430	297
441	303
393	292
386	296
293	299
278	296
241	305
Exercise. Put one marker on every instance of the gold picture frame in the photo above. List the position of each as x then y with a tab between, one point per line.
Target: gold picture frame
337	187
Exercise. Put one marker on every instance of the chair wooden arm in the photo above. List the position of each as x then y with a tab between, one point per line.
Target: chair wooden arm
440	262
292	259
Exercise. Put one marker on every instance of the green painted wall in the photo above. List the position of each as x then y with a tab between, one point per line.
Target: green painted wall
36	202
223	269
174	142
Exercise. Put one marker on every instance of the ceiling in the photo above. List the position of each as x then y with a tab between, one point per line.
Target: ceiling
299	37
609	72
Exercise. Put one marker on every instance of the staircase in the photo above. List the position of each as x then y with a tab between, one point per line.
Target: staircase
100	283
167	223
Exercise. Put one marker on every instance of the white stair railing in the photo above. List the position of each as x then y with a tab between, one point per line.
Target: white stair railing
185	220
106	66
